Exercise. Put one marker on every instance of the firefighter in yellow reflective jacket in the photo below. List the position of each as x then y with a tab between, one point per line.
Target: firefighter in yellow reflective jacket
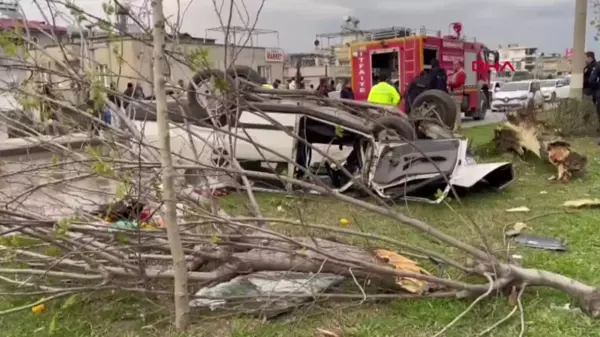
265	84
384	93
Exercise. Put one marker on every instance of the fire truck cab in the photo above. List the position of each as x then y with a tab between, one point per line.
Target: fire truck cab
405	54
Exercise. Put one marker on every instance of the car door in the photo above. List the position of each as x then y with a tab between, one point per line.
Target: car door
563	88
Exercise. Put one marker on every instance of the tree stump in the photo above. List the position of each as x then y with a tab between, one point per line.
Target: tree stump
522	133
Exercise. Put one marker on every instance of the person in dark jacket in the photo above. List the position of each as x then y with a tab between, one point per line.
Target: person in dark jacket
346	91
590	63
112	94
594	82
128	95
323	88
438	79
416	87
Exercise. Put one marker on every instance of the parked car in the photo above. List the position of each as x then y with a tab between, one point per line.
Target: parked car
563	87
495	85
548	88
519	94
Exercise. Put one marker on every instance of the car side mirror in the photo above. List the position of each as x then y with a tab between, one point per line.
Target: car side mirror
558	85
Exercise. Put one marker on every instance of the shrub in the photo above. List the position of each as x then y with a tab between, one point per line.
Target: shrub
572	117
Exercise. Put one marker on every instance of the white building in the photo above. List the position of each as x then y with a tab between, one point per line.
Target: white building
522	58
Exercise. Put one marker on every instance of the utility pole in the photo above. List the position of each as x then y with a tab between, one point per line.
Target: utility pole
578	57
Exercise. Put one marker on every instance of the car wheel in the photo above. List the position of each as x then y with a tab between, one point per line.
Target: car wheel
482	107
209	99
436	104
553	98
389	127
246	73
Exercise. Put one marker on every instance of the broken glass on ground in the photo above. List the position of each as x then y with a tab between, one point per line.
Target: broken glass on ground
265	294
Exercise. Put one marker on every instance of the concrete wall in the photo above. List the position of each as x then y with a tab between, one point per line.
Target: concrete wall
313	74
9	71
136	64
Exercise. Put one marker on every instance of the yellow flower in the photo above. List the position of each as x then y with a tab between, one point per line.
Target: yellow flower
344	222
38	309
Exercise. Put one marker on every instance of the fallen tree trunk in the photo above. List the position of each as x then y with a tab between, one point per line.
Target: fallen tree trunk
522	134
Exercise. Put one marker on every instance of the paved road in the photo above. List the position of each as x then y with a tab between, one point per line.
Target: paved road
490	118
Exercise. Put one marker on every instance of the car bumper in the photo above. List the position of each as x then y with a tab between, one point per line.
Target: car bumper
499	105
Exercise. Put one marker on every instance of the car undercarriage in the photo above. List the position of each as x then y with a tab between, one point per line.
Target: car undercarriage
380	150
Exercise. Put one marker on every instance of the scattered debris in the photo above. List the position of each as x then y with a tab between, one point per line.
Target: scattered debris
38	309
266	294
522	134
580	203
567	308
521	209
543	192
516	229
402	263
327	333
540	242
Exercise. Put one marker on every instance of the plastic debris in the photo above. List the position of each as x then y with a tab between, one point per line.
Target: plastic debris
266	294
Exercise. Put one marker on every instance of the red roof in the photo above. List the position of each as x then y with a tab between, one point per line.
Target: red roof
6	24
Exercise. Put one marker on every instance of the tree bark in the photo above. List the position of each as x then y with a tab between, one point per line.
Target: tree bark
180	281
522	133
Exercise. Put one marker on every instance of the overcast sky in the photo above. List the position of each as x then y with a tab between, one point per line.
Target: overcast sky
546	24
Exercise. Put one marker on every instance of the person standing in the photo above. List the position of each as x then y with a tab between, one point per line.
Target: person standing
265	84
323	87
384	93
438	79
416	87
594	84
346	91
590	63
457	89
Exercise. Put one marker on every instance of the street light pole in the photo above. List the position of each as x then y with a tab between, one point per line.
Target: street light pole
578	58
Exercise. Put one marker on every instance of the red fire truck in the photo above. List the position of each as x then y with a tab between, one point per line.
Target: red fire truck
405	54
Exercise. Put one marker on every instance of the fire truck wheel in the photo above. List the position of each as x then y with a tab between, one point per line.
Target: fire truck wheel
482	107
434	103
393	127
246	73
208	104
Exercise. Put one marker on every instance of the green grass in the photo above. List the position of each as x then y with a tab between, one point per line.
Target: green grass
118	315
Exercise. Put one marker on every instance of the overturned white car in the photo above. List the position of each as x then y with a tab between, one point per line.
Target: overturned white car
347	145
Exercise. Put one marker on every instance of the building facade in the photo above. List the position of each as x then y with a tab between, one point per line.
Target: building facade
522	58
552	65
122	59
13	69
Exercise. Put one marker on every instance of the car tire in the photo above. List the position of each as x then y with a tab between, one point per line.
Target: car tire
553	98
246	73
207	109
446	106
399	125
482	107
